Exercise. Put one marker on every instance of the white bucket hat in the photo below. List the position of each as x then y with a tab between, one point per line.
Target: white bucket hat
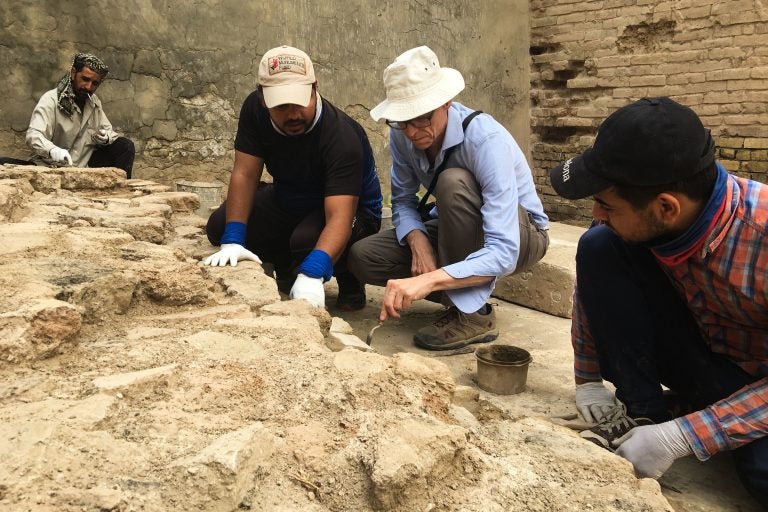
416	84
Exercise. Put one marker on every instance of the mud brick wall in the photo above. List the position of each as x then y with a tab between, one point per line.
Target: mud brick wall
589	58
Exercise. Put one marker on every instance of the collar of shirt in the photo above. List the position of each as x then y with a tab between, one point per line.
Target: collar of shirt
318	113
454	135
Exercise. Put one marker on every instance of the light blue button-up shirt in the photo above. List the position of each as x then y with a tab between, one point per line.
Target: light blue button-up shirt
490	153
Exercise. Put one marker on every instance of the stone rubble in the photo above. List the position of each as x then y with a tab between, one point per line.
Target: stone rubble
133	378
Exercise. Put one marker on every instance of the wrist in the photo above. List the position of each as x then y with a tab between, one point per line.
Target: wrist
317	264
234	233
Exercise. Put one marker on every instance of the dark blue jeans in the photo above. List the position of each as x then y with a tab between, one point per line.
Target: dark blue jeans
646	336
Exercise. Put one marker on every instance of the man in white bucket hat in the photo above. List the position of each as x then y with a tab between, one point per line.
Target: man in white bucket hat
325	193
490	220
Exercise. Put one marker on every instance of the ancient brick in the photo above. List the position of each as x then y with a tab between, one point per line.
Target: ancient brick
730	165
726	53
581	83
745	84
730	142
613	61
686	78
543	21
761	167
756	40
574	17
640	81
728	74
724	97
743	119
727	153
628	92
756	143
733	6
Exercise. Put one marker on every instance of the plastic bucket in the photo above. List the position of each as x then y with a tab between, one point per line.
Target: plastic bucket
502	369
208	192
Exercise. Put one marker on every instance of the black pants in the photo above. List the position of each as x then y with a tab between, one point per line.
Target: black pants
284	238
646	336
119	154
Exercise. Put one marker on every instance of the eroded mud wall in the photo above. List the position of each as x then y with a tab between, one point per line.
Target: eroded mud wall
180	70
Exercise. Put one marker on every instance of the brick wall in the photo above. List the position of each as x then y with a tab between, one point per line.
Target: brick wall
590	57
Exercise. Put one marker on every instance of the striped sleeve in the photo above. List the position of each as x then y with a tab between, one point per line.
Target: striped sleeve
586	364
730	423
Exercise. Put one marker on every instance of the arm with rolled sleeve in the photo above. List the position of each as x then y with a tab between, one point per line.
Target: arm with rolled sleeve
105	128
41	126
586	364
495	161
730	423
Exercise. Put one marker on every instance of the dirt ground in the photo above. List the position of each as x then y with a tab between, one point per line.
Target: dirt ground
133	378
689	485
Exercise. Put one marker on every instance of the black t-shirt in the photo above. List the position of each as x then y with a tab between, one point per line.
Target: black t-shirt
334	158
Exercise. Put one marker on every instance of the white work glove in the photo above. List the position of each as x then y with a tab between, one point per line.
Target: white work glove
653	448
230	253
60	156
310	289
594	401
101	137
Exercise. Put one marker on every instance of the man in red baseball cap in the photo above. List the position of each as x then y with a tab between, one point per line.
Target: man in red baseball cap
325	193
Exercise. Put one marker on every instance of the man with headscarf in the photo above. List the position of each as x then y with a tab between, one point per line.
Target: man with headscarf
69	126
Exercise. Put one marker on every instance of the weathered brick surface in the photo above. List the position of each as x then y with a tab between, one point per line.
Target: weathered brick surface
589	58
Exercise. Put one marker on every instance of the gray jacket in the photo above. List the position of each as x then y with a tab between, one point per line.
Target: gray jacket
50	127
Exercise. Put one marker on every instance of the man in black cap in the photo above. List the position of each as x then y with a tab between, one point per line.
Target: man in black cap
672	290
69	126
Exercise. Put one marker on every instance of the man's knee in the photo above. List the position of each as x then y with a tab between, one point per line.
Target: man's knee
124	145
752	468
354	259
456	183
595	246
214	228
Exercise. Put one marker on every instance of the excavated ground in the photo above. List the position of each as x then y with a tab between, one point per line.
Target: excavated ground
133	378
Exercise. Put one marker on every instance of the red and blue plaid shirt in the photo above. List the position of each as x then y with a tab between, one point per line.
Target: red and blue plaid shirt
725	284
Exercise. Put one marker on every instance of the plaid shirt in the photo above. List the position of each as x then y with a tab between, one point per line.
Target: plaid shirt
726	287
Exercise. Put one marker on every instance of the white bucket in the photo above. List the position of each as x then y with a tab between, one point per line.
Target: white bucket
208	192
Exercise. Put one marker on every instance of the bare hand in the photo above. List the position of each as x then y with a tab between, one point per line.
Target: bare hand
423	258
400	294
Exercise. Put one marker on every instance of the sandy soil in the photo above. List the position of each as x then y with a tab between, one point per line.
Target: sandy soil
133	378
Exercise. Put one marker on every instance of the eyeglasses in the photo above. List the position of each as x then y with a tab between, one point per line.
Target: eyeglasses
418	122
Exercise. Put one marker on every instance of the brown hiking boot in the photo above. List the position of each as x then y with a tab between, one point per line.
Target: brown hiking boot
455	329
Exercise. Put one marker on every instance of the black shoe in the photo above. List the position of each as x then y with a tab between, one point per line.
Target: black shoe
613	427
351	293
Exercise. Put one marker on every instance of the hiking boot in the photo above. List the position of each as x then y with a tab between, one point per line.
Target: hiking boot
455	329
614	426
351	293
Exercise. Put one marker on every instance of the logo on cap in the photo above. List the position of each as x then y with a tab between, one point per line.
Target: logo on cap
288	64
567	170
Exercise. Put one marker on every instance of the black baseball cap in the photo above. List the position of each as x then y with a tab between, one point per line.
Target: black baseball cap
653	141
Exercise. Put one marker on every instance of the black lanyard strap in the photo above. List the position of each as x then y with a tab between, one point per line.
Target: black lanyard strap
446	156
